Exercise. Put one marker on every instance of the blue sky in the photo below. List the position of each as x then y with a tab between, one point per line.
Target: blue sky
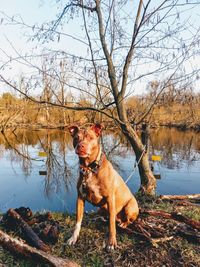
14	39
39	11
32	12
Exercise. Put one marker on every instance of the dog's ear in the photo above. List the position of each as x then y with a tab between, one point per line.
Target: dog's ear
73	130
97	128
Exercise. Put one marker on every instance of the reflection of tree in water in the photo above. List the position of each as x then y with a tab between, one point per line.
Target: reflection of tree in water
54	143
114	144
18	150
176	147
56	164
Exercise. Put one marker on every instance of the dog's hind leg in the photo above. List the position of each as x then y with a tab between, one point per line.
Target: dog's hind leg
130	212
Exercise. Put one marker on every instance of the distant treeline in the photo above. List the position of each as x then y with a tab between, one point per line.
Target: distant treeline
172	108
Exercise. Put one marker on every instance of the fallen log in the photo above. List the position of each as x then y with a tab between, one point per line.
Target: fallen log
30	236
47	231
138	229
18	247
25	213
162	239
40	218
190	202
188	233
173	215
154	231
180	197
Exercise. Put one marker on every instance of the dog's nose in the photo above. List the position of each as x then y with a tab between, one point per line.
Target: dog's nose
81	145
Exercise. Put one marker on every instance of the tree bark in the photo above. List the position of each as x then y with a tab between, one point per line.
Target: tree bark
148	181
29	234
173	215
189	234
18	247
180	197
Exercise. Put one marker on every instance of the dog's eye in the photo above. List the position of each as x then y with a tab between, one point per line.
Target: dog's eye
79	137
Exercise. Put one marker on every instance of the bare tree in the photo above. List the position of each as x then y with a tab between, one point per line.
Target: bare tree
122	44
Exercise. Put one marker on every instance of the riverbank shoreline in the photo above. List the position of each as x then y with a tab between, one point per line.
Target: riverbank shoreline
107	125
132	250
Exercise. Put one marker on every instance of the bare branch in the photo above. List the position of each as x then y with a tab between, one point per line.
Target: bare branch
66	9
77	108
92	57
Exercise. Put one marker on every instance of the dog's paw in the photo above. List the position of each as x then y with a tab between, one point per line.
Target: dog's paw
110	248
123	225
112	244
71	241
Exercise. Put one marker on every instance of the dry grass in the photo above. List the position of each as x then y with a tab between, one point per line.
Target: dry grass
132	251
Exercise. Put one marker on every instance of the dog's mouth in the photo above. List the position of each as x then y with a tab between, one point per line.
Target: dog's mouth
82	154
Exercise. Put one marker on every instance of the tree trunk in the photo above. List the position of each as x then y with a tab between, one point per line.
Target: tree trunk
148	181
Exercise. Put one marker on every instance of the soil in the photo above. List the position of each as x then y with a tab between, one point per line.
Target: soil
133	250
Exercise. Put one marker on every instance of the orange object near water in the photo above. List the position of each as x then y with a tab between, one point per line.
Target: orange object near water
42	154
156	158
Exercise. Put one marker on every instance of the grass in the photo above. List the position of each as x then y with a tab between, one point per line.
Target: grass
90	249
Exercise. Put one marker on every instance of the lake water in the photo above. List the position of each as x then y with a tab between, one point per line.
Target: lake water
39	169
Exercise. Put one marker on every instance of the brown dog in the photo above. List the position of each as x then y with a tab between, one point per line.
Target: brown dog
100	184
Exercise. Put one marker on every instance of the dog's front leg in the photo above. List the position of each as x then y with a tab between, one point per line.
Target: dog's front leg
79	216
112	242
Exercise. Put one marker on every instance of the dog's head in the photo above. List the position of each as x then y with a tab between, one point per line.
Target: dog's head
85	141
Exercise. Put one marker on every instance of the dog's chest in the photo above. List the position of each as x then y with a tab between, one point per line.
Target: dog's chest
90	189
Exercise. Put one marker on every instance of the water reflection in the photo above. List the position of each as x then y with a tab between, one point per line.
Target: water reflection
177	147
23	146
49	182
18	150
56	168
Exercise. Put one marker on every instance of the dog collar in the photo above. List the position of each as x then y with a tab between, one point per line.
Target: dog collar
94	165
85	171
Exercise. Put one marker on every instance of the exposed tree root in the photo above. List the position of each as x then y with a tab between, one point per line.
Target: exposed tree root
18	247
30	236
173	215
